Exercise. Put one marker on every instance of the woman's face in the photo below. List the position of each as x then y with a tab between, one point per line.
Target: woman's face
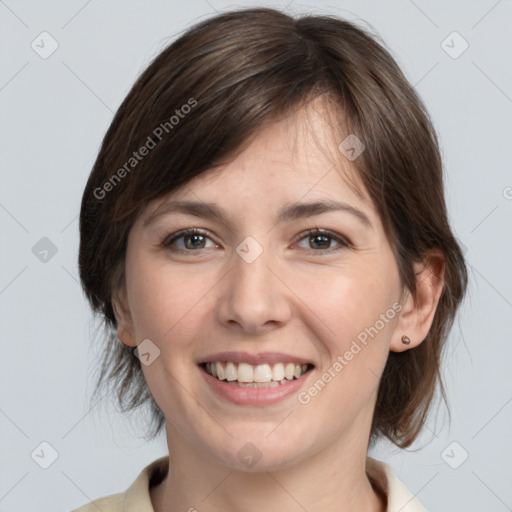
256	295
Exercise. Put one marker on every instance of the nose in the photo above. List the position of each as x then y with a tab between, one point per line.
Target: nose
254	296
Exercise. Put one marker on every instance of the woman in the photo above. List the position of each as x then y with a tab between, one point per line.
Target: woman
265	234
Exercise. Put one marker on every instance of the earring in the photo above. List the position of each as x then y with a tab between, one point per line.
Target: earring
406	340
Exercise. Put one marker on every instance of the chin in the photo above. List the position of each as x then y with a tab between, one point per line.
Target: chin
258	455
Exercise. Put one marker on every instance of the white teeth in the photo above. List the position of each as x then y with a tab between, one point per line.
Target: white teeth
245	372
262	373
289	371
278	372
270	384
231	372
221	375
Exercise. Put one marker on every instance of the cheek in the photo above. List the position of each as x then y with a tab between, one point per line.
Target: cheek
165	300
351	302
361	320
364	320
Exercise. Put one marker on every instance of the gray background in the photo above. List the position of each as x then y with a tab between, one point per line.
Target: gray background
54	113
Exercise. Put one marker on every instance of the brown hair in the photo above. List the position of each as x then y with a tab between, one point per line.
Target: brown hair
214	88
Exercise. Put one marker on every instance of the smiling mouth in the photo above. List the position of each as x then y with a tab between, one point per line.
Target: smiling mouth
256	376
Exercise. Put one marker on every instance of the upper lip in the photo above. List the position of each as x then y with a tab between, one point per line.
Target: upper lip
254	359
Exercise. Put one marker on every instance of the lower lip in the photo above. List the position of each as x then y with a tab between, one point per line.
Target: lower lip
254	396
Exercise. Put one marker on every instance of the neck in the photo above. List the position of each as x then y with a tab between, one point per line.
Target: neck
334	479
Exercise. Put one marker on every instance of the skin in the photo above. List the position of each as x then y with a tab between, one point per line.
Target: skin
293	298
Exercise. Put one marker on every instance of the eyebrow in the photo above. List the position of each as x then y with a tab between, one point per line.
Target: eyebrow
288	212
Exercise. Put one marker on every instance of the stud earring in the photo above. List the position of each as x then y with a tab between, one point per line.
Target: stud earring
406	340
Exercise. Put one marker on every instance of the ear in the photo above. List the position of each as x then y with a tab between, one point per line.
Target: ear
418	312
125	330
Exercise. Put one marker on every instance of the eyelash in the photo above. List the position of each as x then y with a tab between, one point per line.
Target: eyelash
344	244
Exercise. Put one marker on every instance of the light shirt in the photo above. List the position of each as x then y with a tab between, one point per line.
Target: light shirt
137	498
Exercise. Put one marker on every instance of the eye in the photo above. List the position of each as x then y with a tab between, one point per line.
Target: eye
193	238
321	239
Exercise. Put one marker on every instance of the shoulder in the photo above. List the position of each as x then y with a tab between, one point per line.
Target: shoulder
113	503
399	498
137	496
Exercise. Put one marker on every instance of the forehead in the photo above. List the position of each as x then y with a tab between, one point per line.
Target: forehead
307	136
296	157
